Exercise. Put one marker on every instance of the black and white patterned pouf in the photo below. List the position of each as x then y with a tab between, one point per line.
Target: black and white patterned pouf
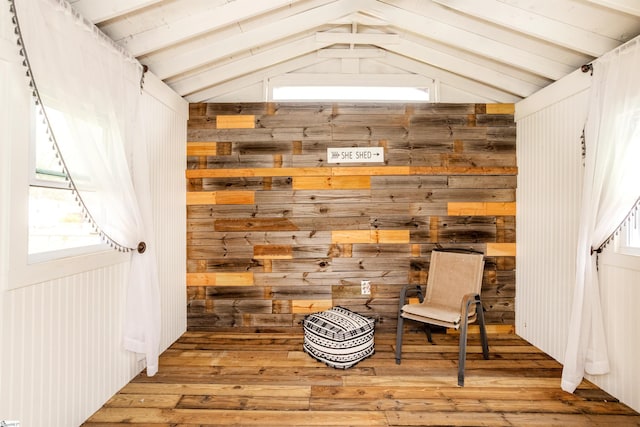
338	337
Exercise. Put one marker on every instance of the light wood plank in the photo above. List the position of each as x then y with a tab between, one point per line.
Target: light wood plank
220	198
310	306
272	252
220	279
279	391
501	108
353	171
240	121
370	236
331	183
481	208
238	417
501	249
202	148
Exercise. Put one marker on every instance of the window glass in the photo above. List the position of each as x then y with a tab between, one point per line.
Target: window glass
56	220
629	239
350	93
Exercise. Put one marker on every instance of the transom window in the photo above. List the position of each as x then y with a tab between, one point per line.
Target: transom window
350	93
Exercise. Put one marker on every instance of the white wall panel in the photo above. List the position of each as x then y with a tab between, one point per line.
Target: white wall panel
548	194
166	137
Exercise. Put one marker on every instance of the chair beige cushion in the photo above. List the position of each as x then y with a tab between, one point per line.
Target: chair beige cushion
443	314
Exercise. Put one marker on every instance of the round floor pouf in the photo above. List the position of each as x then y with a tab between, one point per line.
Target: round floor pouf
338	337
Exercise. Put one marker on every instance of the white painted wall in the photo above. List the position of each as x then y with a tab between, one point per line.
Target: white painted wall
62	355
549	126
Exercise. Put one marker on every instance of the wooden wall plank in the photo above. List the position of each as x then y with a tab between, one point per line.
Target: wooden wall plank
481	208
220	197
202	148
244	121
219	279
331	183
501	249
372	171
501	109
272	252
370	236
310	306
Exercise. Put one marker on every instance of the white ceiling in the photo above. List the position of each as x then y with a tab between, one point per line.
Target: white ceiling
494	50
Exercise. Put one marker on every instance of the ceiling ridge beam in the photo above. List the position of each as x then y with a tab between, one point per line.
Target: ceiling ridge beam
210	52
534	25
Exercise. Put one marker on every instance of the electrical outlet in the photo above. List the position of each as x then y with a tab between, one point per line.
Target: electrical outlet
365	287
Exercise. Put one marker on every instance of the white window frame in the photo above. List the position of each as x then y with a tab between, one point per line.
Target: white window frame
34	181
21	271
628	242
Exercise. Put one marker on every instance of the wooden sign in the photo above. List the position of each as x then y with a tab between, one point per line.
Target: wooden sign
355	155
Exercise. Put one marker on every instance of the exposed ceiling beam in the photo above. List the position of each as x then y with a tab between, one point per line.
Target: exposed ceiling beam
631	7
357	38
534	25
461	83
470	41
98	11
463	67
351	53
207	52
246	65
359	18
193	25
252	78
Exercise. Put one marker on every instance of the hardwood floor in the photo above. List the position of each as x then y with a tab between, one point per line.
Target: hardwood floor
213	379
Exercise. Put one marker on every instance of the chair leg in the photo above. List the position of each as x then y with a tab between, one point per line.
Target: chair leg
483	328
462	356
427	330
462	351
399	333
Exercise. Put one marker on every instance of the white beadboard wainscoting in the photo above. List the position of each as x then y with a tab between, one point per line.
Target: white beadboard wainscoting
549	128
61	352
548	197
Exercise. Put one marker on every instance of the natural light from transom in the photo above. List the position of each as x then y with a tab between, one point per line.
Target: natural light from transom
350	93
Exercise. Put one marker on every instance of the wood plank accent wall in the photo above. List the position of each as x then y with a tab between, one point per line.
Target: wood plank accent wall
274	232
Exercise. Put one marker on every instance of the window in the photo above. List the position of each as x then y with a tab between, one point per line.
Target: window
629	239
350	93
57	226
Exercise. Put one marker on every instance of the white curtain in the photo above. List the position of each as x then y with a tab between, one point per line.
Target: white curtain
610	191
90	91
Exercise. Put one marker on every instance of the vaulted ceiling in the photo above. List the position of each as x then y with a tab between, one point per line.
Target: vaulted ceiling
492	50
